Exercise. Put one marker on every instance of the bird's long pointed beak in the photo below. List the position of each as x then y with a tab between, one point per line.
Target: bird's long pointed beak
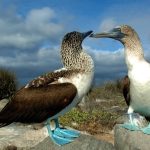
114	33
85	34
101	35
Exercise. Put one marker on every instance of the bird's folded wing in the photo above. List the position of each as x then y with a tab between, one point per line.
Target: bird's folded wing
126	88
46	79
37	104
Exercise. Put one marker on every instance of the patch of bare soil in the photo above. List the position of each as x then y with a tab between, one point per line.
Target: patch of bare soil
106	137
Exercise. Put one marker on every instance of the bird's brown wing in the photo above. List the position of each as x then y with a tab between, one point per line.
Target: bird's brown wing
31	105
126	89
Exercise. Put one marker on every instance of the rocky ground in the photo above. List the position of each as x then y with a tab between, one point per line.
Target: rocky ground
130	140
19	137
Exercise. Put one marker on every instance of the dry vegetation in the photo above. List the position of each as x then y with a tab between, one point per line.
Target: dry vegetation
99	111
8	83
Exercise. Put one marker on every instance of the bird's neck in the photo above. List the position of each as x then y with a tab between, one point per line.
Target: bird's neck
79	60
133	52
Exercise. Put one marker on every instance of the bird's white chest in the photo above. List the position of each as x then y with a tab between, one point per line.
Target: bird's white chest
82	83
140	88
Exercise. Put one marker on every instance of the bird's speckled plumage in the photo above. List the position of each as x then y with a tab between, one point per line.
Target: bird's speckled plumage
132	44
74	52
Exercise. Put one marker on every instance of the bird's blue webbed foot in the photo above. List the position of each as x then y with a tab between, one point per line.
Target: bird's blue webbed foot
129	126
134	121
61	136
146	130
137	123
67	133
132	124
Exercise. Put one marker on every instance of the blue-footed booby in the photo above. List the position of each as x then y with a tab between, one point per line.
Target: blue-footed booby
138	74
53	94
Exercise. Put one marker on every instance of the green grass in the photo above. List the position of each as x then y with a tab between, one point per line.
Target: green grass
75	115
98	118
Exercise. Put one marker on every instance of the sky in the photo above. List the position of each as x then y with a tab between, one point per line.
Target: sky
31	34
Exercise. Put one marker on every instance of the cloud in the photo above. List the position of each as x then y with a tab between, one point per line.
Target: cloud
40	58
26	32
108	65
28	66
40	21
28	43
107	24
133	14
25	48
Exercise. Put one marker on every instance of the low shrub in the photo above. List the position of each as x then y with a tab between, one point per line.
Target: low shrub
8	83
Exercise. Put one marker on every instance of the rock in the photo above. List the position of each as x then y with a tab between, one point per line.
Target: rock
21	136
122	119
25	137
130	140
84	142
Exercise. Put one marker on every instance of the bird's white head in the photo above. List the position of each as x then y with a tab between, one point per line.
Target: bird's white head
129	38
